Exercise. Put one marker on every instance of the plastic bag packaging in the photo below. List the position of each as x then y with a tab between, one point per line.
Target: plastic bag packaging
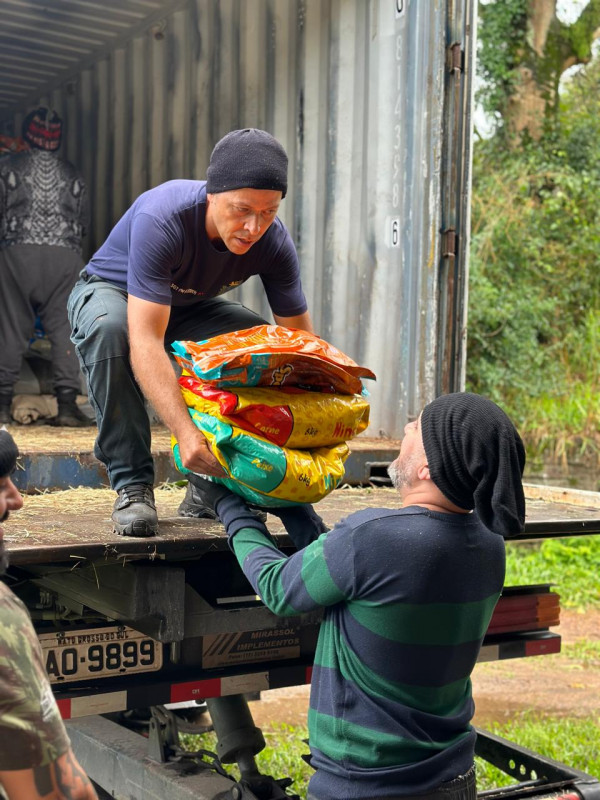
276	406
289	418
271	355
264	473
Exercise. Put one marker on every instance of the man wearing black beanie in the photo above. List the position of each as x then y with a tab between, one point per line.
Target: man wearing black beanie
35	756
476	459
159	278
408	594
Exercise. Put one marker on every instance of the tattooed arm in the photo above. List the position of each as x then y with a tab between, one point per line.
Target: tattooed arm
62	779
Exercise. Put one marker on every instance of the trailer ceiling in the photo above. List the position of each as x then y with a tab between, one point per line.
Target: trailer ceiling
42	42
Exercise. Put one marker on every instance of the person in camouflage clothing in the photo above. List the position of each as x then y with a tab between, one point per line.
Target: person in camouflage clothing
36	760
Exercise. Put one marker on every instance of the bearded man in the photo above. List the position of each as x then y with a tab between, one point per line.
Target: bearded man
408	594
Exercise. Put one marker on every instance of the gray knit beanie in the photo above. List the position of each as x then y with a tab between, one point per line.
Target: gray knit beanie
247	159
476	458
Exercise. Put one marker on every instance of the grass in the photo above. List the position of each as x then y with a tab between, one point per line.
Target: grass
281	758
572	742
562	428
586	654
572	564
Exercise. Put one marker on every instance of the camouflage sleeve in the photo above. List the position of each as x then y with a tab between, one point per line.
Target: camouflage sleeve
31	729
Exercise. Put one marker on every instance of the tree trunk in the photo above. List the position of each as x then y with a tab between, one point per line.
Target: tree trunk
552	47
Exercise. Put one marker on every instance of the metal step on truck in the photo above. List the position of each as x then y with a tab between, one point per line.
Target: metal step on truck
132	628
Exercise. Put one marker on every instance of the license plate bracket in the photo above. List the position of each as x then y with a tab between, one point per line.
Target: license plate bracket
108	652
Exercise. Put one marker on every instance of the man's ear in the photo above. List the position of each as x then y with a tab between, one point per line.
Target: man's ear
423	472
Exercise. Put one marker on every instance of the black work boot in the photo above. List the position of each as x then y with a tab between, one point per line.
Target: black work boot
69	414
6	396
194	505
134	512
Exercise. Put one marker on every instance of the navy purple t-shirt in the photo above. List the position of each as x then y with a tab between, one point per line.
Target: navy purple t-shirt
159	251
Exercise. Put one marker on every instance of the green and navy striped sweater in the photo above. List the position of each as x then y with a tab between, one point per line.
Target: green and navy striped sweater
408	596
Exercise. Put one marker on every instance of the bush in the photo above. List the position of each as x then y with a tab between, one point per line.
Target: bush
572	565
534	291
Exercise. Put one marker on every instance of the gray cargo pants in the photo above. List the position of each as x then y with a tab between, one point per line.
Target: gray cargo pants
37	279
98	315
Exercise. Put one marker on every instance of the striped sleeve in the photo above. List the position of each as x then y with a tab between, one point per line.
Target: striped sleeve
287	585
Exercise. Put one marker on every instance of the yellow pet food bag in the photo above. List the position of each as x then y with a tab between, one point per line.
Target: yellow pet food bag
264	473
289	418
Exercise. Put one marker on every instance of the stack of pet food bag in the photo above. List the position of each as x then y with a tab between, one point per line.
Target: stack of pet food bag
277	406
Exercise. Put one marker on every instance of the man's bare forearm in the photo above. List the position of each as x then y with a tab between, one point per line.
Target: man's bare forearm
158	382
301	321
156	377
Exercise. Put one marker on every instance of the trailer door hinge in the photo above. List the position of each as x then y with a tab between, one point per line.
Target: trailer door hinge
449	240
455	58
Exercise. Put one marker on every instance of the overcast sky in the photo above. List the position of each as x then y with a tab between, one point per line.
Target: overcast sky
567	10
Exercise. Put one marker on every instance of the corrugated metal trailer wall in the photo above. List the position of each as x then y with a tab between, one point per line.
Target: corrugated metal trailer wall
372	103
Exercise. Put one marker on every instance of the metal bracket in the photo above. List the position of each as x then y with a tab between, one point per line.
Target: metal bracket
163	736
536	772
455	58
151	600
163	744
263	787
449	243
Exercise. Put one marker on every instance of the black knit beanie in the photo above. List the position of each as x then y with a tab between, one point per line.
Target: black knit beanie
9	453
247	159
476	458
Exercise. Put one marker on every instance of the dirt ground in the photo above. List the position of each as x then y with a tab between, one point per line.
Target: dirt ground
553	685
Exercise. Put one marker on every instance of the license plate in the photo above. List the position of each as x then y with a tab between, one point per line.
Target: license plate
98	653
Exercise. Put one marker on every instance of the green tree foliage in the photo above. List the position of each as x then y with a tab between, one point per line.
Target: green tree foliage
502	42
524	49
534	305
